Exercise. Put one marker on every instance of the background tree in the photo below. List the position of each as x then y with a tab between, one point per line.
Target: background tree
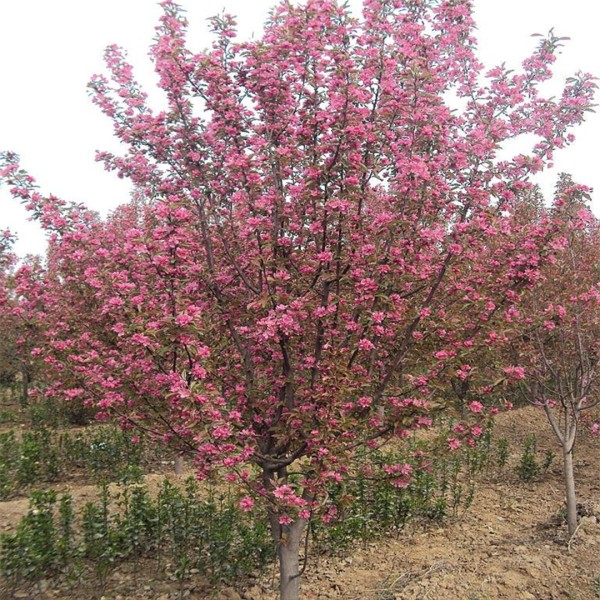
8	367
19	327
560	340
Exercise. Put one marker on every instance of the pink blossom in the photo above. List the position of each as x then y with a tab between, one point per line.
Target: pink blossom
424	422
221	432
183	319
247	503
515	372
330	515
366	345
476	407
453	443
283	491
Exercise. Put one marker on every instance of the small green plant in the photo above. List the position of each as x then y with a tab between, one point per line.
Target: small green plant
43	454
528	467
53	413
6	483
100	538
502	452
8	462
105	451
66	547
7	416
481	455
38	460
31	553
137	523
549	457
44	413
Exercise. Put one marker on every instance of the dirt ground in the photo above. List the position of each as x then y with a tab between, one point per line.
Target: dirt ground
511	543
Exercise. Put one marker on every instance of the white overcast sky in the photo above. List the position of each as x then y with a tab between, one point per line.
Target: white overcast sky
50	48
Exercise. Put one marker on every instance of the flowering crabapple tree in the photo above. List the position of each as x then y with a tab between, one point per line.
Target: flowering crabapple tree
484	369
24	298
559	344
20	329
8	366
318	240
7	261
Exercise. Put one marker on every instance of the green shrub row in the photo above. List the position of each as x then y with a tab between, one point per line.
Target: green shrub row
183	530
41	456
368	505
190	531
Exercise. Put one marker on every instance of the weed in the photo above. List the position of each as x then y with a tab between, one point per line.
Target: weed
38	460
8	462
528	468
103	451
549	457
100	540
31	553
502	452
7	416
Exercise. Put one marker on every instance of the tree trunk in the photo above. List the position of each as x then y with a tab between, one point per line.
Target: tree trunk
570	491
179	466
25	380
288	539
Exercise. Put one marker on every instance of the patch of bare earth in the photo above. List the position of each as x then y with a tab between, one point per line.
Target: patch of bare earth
511	543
